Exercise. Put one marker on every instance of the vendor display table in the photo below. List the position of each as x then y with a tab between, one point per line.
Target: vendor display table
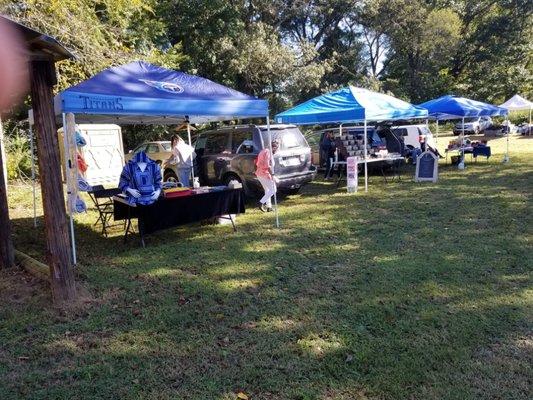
394	160
474	151
170	212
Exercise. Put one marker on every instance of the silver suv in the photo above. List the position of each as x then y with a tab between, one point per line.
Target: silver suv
229	153
473	126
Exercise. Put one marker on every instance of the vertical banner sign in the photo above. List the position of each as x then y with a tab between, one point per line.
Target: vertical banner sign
72	162
351	174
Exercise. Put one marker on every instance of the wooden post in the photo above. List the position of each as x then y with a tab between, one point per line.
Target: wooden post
55	220
6	245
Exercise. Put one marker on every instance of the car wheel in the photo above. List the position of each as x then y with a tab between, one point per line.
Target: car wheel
231	177
292	191
170	176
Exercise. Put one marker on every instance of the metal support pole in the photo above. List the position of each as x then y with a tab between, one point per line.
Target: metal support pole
190	144
69	208
506	158
33	177
273	166
461	164
437	132
366	158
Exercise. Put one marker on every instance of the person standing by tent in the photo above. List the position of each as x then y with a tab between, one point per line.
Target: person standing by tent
264	172
328	149
182	157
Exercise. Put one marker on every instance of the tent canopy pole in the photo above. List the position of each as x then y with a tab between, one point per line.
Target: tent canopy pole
273	166
366	158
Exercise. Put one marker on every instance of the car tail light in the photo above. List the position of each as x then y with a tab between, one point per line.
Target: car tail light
420	138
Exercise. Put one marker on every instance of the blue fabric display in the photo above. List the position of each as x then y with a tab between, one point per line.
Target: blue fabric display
146	182
80	140
80	205
83	185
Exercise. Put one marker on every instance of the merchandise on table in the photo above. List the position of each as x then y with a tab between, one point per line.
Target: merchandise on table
146	183
177	192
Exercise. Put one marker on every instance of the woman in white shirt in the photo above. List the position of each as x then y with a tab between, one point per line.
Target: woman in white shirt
182	157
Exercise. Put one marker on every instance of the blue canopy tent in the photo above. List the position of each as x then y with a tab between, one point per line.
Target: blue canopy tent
455	107
351	104
142	93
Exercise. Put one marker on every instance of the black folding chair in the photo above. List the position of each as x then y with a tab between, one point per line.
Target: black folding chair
103	201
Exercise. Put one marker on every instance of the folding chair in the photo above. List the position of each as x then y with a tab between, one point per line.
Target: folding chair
103	201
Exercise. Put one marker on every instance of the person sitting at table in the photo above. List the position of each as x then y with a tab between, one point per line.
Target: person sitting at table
182	157
140	180
265	174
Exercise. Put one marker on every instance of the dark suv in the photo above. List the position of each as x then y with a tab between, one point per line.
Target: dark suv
230	152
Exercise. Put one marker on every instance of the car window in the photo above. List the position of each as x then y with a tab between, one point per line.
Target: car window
166	146
200	143
216	143
423	130
288	138
401	132
242	142
152	148
140	148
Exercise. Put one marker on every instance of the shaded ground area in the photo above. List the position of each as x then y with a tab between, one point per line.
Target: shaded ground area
419	291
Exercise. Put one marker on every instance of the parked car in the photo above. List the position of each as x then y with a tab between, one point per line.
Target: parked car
414	135
473	126
158	151
229	153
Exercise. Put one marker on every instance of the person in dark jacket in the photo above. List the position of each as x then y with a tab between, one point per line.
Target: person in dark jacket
328	149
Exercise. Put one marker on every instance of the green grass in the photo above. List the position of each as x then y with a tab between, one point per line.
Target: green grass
411	291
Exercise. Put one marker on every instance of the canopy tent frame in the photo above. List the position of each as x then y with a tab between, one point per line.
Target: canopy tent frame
228	105
516	103
351	105
450	107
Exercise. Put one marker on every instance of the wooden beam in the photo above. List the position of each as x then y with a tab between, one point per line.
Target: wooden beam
55	219
6	244
32	266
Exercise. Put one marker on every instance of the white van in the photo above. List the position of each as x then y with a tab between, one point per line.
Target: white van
103	153
413	135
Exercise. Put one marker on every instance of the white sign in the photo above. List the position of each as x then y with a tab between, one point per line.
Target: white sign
351	174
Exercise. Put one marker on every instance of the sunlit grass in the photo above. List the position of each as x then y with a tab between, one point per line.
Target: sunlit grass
411	290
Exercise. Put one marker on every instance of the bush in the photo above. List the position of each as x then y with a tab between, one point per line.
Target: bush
18	155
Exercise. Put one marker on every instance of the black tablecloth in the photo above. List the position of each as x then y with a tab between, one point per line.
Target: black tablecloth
167	213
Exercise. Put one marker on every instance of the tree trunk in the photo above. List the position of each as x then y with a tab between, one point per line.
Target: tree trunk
7	255
55	218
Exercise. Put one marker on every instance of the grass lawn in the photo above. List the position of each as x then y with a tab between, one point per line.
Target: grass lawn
411	291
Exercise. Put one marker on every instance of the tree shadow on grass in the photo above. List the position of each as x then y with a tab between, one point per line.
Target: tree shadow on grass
391	294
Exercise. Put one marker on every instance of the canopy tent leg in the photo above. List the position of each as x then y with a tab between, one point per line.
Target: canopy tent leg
366	160
461	164
276	192
33	177
437	132
529	127
190	144
506	157
68	183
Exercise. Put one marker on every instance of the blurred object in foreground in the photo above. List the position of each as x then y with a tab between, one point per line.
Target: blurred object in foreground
13	67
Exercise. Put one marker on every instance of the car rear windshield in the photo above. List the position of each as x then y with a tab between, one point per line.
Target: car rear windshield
288	138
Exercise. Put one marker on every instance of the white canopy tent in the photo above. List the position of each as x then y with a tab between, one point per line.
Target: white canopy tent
517	103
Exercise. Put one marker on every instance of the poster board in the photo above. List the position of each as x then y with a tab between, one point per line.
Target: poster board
427	167
351	174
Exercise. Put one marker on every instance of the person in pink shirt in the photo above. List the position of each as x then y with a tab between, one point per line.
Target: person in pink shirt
264	172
